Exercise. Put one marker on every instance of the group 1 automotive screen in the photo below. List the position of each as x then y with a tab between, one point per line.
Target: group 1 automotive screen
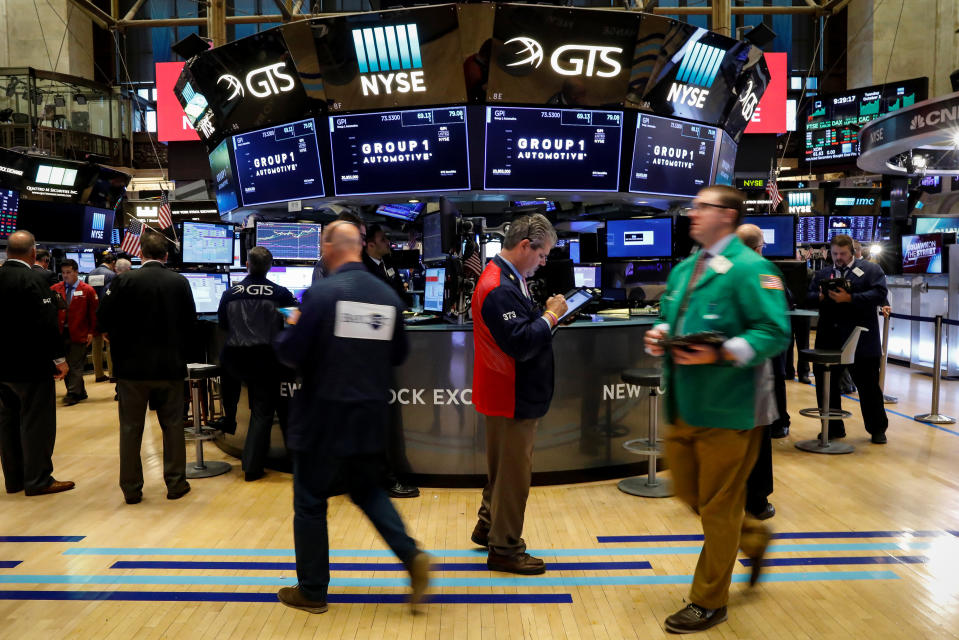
400	152
278	164
9	206
671	157
552	149
207	290
207	243
779	235
290	240
641	238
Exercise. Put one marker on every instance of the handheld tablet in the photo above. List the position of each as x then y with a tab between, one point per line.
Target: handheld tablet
575	299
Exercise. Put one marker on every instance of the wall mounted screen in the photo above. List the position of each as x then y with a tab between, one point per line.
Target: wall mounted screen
278	164
671	157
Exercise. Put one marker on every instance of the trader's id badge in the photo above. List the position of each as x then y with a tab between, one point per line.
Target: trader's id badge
720	264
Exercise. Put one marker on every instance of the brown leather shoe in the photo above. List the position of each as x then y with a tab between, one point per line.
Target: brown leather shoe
293	597
419	577
523	564
693	618
54	487
480	536
757	561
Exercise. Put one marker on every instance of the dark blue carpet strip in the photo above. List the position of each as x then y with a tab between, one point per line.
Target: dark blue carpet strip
363	566
333	598
9	564
795	535
41	538
837	560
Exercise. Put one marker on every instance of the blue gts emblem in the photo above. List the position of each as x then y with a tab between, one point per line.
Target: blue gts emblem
390	56
697	72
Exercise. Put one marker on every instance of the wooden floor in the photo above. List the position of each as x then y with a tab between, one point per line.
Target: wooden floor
906	587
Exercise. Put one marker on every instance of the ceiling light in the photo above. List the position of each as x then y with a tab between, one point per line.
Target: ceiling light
875	249
413	200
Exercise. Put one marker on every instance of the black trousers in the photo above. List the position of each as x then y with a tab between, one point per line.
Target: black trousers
257	369
759	485
799	339
28	430
865	374
166	397
77	360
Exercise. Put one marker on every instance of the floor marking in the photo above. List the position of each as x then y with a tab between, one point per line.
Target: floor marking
9	564
365	566
837	560
41	538
796	535
333	598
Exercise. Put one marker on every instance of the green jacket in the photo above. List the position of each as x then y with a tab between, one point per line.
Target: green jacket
747	301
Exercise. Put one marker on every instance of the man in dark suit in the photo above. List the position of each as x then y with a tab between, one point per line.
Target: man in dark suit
33	358
42	266
349	336
841	310
148	315
374	257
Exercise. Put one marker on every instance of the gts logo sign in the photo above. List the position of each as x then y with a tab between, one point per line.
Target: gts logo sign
261	82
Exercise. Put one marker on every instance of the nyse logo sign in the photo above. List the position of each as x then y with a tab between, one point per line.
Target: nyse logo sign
569	59
97	226
263	82
389	59
696	75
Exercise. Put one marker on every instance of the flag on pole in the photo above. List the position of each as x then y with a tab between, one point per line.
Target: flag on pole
166	218
131	237
471	259
773	190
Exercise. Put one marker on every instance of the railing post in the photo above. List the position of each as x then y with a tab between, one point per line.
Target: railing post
886	399
934	417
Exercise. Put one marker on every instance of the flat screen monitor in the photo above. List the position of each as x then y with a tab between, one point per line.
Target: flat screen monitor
290	240
671	157
574	251
552	149
493	247
87	262
224	178
296	279
408	212
834	120
278	164
925	253
931	225
726	161
810	229
639	238
587	276
207	243
9	207
779	235
400	152
439	234
861	228
207	290
549	204
97	225
72	255
433	297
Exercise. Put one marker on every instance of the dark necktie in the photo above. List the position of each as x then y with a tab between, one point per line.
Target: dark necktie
69	293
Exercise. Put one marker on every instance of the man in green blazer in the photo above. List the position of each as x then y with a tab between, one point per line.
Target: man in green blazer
711	443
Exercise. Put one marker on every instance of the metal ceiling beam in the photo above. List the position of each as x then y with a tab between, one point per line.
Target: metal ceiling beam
133	10
95	13
768	11
284	11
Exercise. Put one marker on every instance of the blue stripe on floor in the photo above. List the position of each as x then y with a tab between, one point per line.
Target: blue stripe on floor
9	564
333	598
796	535
365	566
526	581
837	560
41	538
479	553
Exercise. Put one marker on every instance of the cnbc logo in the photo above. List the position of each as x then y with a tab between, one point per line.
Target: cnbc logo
389	59
696	74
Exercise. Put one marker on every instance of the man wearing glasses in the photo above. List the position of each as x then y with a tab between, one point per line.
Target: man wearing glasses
728	290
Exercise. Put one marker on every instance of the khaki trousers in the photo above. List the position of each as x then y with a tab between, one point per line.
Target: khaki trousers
101	348
709	468
509	461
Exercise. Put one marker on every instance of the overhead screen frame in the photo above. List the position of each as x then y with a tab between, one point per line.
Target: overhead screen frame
238	173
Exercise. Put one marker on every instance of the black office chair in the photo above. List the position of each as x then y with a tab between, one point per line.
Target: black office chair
829	358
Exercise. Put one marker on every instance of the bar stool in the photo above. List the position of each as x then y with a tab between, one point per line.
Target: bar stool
649	486
829	358
197	375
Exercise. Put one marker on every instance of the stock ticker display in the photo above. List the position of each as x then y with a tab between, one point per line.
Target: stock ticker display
834	121
9	206
290	240
810	229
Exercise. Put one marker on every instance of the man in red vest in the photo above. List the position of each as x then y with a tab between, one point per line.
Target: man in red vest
78	323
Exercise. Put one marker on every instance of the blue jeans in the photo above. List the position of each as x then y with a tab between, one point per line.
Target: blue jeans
315	478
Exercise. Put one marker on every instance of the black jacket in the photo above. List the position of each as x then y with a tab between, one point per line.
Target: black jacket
149	315
49	277
836	320
248	312
347	340
29	325
387	274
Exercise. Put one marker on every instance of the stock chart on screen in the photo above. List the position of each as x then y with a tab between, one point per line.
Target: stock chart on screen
290	240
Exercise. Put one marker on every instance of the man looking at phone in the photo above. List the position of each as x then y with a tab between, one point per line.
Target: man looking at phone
848	295
729	293
248	314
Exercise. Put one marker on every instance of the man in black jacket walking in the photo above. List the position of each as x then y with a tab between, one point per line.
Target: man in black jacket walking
32	359
148	315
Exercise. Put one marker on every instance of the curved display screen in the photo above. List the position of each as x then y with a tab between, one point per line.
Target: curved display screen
278	164
400	152
671	157
556	149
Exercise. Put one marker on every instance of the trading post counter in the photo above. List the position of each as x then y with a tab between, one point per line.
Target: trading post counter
443	439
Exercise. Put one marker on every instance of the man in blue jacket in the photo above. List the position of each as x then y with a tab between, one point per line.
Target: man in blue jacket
343	345
840	310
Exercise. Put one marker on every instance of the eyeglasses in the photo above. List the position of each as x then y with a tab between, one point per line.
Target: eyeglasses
699	206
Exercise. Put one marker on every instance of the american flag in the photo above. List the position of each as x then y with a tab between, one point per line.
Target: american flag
472	260
166	218
773	190
131	237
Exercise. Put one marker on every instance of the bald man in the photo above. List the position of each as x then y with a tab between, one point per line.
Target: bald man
33	358
343	345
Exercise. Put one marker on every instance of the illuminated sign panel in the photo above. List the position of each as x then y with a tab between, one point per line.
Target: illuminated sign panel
278	164
671	157
389	49
770	114
172	122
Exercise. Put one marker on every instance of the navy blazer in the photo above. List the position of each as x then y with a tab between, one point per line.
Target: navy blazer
837	320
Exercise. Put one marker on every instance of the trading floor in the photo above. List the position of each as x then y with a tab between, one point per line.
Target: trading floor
868	548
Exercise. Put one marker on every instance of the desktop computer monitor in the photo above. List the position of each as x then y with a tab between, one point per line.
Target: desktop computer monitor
207	290
587	276
296	279
434	295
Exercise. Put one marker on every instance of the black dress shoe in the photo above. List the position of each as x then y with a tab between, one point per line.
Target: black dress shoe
879	438
399	490
480	536
804	380
69	400
837	435
766	513
252	476
101	379
693	618
14	489
133	499
179	493
778	432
